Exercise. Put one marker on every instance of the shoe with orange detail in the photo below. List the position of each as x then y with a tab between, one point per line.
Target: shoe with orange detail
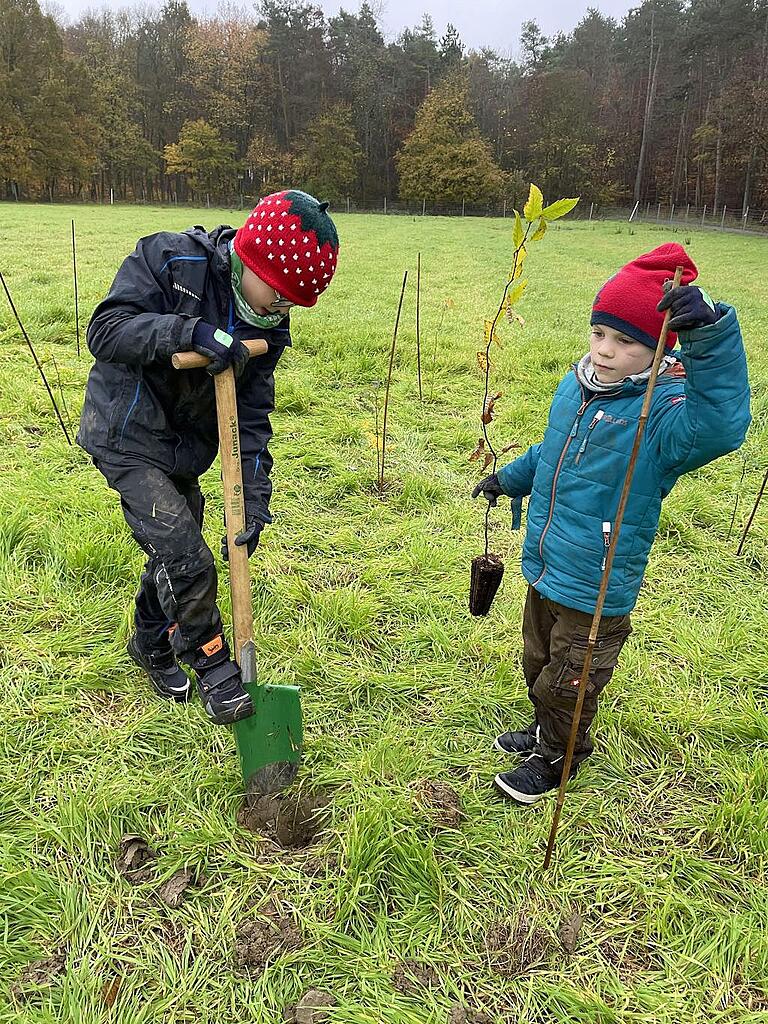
220	684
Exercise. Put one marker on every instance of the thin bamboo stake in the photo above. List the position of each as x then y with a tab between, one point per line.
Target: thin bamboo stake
759	498
598	614
389	381
74	275
38	364
418	334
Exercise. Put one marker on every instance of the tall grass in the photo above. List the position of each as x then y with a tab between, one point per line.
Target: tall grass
664	842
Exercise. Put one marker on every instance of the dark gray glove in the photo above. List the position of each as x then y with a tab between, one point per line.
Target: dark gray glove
250	536
220	347
490	488
690	307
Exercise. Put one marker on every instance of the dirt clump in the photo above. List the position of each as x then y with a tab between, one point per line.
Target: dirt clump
40	974
441	801
136	860
260	940
312	1008
292	821
514	946
461	1015
411	977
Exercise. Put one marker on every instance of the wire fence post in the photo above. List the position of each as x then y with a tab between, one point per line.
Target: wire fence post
687	211
648	208
462	207
658	213
672	213
423	207
385	206
703	214
722	219
504	214
745	218
591	208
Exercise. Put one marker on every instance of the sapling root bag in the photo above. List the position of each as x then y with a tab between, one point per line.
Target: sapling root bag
487	571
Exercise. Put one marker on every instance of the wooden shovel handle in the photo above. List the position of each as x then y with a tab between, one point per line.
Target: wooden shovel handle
191	360
234	507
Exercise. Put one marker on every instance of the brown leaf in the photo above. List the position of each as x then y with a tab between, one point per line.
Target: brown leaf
508	448
479	451
136	859
569	931
110	990
171	892
482	361
488	407
487	460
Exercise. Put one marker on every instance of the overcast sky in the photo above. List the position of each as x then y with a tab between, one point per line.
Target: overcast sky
494	23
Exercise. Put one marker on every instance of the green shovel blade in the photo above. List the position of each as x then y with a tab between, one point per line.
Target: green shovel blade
269	741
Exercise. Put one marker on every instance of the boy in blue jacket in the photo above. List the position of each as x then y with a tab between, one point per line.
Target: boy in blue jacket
700	411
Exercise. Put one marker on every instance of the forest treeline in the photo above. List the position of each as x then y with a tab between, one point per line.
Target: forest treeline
155	104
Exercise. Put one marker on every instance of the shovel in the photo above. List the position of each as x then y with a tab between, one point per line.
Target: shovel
269	741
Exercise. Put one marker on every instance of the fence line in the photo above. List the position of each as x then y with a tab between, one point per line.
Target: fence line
677	216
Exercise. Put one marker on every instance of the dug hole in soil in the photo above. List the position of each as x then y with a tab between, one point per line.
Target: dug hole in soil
291	820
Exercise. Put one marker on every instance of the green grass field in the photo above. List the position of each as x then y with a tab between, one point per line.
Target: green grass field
363	602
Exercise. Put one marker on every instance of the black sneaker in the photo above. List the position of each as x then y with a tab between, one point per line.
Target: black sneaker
531	781
518	742
220	684
168	680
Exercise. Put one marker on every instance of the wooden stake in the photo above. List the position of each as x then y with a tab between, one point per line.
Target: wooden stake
753	514
598	614
389	381
74	275
418	333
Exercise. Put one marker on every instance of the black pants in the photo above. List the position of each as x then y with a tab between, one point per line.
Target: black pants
554	648
178	585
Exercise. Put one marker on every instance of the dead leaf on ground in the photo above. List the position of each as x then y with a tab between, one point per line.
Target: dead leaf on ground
482	361
479	450
136	860
508	448
172	891
569	931
110	990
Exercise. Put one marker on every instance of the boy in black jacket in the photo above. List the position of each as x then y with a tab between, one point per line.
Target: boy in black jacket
151	430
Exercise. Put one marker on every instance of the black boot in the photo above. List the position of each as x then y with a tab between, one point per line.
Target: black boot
530	782
220	684
522	742
158	661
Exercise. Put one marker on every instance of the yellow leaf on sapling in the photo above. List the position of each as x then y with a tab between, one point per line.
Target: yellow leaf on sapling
559	209
540	231
533	207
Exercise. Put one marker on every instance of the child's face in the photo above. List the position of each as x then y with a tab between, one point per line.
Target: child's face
616	356
261	297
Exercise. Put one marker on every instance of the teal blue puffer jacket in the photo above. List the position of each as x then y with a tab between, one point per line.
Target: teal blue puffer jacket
575	475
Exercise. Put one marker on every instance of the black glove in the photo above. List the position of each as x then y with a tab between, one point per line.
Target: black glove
250	536
220	348
690	307
490	488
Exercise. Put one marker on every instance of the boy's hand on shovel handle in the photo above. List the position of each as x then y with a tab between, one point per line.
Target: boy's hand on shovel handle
193	360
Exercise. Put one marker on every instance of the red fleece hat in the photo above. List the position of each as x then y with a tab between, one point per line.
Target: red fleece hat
290	241
627	301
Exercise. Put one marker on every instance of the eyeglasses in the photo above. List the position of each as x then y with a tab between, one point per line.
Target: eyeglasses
280	303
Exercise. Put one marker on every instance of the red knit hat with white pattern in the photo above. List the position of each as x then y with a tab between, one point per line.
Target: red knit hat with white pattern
290	241
627	301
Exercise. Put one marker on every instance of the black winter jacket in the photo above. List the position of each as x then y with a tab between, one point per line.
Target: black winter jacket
136	405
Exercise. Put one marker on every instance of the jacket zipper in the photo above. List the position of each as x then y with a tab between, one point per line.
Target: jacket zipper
595	420
574	430
606	544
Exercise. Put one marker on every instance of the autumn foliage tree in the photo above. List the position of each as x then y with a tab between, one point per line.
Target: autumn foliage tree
445	158
200	155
